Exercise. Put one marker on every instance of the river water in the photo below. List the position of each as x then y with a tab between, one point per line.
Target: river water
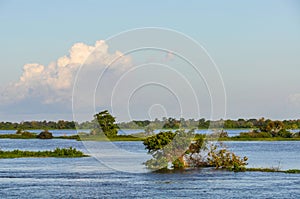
61	132
114	175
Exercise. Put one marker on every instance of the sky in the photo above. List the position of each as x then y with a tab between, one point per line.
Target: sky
255	45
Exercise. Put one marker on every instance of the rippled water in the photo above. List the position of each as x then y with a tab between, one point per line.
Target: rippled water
89	178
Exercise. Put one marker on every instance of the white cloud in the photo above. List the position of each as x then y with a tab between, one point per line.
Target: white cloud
54	83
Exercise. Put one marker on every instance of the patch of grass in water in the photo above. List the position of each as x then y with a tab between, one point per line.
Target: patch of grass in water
292	171
58	152
116	138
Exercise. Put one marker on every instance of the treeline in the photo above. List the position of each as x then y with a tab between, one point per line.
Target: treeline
165	123
61	124
172	123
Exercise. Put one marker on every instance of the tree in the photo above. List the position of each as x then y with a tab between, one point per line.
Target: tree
272	127
176	148
45	135
181	149
107	124
171	123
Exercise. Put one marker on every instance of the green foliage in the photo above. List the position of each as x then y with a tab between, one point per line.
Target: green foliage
141	124
168	147
272	127
111	139
285	134
37	125
293	171
171	123
183	149
272	169
20	134
71	137
269	129
58	152
158	141
45	135
203	124
255	135
107	124
220	158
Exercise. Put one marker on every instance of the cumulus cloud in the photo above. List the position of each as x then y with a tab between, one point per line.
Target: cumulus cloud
54	83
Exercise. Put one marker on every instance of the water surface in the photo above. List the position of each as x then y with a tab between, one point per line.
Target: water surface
89	178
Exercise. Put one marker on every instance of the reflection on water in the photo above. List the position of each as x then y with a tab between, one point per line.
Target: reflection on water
89	178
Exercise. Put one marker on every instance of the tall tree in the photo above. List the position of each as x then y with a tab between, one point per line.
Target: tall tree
107	124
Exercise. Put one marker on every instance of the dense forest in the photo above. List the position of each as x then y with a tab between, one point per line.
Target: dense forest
165	123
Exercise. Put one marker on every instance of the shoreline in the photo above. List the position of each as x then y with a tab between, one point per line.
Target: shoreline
134	138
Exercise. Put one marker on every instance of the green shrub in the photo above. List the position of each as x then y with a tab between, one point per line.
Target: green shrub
220	158
64	152
45	135
255	134
285	134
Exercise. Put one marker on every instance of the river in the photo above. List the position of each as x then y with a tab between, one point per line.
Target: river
116	176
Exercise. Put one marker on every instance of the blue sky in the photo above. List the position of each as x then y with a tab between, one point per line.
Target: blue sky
256	45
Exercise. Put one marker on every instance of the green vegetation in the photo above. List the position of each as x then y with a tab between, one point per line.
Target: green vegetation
19	135
292	171
181	149
107	124
58	152
221	158
237	138
43	135
89	137
165	123
269	130
296	171
29	125
172	123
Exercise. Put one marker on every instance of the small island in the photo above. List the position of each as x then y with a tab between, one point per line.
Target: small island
56	153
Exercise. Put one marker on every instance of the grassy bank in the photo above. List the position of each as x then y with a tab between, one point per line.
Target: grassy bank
34	136
112	139
135	137
58	152
259	139
272	170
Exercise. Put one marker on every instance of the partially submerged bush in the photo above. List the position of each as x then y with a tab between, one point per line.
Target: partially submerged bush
45	135
25	134
174	149
220	158
180	149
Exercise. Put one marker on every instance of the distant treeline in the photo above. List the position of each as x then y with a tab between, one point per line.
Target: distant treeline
171	123
61	124
165	123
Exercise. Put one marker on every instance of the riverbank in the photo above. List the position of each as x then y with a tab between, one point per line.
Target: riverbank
111	139
35	136
258	139
135	138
